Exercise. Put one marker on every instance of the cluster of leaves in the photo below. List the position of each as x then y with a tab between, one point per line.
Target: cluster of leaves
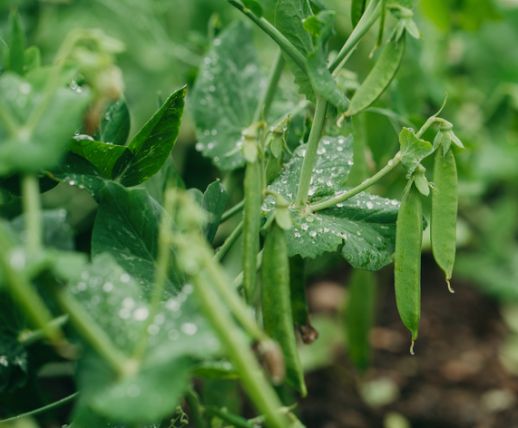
150	308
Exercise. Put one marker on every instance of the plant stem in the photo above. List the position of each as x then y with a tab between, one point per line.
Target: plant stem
93	334
161	270
227	244
236	346
27	337
273	80
234	420
366	22
32	214
274	34
331	202
12	264
197	409
430	122
310	157
42	409
232	211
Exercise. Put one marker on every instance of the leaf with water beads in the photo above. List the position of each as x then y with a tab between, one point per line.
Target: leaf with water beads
225	96
362	227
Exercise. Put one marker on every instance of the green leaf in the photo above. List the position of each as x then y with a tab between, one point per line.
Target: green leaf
413	149
226	95
178	335
214	202
154	142
357	9
29	148
103	156
77	171
115	125
126	226
254	6
362	227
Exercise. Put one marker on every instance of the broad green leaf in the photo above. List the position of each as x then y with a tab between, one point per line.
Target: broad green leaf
126	226
153	143
77	171
178	336
29	148
103	156
357	9
363	227
115	125
413	149
214	202
225	96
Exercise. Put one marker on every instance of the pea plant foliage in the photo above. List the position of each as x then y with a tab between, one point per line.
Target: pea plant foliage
149	313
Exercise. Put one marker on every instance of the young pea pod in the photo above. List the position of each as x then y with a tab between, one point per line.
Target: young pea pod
444	212
276	304
407	261
253	188
299	304
379	77
359	316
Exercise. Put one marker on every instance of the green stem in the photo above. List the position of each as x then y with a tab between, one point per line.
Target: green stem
94	334
273	80
274	34
331	202
229	242
233	420
161	271
236	346
42	409
197	409
32	214
366	22
232	211
310	157
28	337
429	123
12	264
8	121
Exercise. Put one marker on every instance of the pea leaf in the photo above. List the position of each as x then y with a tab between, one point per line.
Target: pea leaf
154	142
290	16
177	337
115	125
16	44
29	148
103	156
214	202
413	149
225	96
362	227
126	226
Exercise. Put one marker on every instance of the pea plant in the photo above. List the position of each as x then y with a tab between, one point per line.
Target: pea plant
149	313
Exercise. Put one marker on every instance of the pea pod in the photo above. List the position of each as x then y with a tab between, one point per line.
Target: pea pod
276	305
379	77
359	316
299	303
251	226
407	261
357	9
444	212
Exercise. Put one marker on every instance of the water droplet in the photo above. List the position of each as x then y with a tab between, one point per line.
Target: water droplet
3	361
125	278
189	328
108	286
141	314
17	259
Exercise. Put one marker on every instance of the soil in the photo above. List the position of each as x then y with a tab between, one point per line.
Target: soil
454	380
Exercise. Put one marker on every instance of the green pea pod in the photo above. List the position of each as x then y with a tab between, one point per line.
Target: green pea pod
379	77
407	261
444	212
251	226
359	317
357	9
276	304
299	304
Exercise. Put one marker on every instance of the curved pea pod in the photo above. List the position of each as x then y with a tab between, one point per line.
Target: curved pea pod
407	261
379	77
276	304
444	212
359	317
299	303
251	226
